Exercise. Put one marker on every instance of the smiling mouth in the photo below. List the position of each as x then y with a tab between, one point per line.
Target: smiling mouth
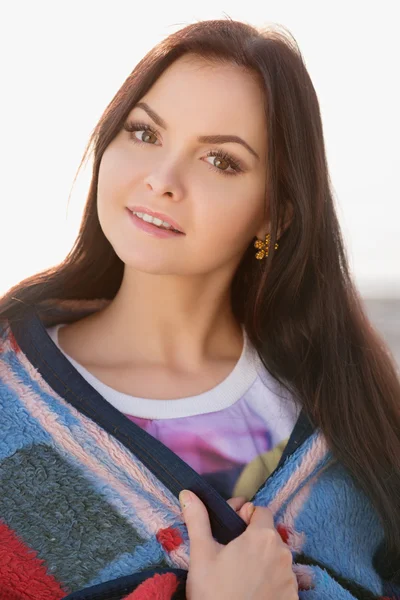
159	223
152	228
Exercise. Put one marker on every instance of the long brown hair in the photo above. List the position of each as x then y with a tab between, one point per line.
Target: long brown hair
300	306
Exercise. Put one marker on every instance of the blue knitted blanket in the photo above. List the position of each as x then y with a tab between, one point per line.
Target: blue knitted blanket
89	501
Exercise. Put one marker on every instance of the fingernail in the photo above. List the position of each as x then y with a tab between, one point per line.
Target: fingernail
250	510
185	498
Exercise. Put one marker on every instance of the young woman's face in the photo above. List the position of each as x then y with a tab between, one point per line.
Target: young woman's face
214	189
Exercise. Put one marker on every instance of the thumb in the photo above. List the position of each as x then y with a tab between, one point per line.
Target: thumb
262	517
197	521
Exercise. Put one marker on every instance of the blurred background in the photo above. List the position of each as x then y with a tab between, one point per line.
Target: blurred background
62	62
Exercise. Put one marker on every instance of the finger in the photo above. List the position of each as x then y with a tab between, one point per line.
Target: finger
237	502
262	517
197	522
246	511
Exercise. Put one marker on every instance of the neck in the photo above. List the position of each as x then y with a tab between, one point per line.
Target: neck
170	320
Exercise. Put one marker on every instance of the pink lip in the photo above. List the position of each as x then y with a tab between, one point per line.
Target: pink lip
161	216
150	228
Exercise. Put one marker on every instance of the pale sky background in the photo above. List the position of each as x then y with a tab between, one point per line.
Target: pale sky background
62	62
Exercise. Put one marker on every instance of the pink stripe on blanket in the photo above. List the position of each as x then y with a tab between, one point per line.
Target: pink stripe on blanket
309	462
117	453
63	439
286	527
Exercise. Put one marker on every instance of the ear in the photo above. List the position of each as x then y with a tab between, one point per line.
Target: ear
266	226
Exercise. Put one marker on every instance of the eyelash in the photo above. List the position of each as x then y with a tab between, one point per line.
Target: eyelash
133	126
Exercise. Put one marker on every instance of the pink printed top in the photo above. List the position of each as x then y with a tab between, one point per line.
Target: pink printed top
233	435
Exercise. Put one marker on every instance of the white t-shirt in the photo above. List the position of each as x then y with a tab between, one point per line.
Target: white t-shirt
233	435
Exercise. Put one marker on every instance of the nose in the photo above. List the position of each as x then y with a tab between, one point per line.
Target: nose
156	189
163	183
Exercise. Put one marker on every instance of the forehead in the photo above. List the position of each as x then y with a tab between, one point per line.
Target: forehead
210	97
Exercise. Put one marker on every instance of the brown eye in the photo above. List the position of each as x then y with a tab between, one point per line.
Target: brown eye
146	136
141	132
221	163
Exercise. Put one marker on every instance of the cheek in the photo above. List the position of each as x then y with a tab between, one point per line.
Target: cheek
118	178
108	177
115	172
228	222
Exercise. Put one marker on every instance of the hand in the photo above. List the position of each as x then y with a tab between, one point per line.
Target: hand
257	565
243	508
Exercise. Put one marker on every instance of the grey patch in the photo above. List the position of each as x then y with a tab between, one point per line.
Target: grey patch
55	511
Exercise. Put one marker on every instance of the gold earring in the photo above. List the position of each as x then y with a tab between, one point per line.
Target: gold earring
263	247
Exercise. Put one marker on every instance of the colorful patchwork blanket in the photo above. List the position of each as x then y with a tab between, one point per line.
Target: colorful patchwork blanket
89	501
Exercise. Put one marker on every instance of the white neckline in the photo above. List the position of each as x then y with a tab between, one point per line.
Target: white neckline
223	395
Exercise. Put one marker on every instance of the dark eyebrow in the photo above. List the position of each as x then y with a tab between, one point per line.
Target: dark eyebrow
203	139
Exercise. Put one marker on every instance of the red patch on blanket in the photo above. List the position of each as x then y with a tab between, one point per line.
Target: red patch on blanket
22	574
13	342
158	587
283	532
169	538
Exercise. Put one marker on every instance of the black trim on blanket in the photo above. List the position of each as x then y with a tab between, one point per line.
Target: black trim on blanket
31	336
118	589
303	429
387	565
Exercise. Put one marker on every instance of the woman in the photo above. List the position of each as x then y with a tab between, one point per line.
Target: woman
204	334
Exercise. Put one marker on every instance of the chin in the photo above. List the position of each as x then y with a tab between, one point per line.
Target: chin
155	263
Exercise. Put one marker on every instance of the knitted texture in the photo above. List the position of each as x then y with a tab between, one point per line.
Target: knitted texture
78	509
